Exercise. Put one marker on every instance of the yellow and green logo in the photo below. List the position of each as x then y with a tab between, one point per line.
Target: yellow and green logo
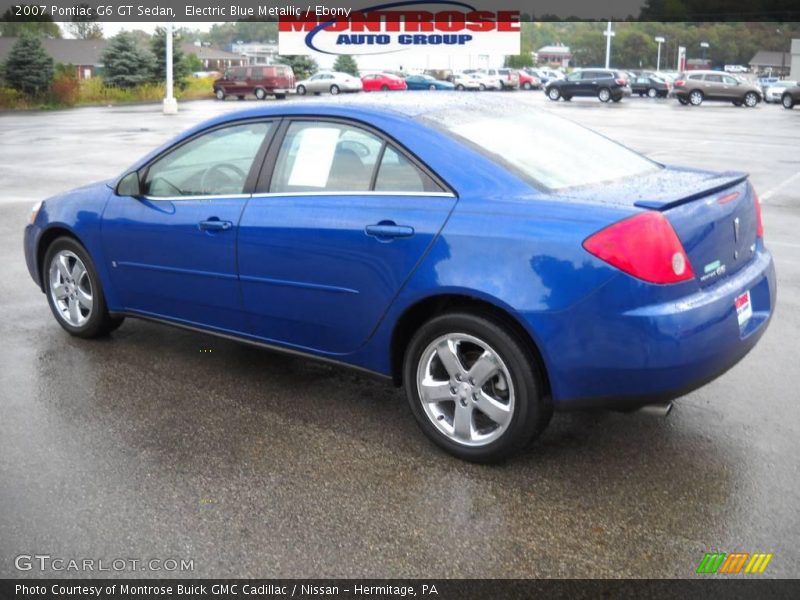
734	563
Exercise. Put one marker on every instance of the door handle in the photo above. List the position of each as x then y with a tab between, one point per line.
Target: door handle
388	230
214	224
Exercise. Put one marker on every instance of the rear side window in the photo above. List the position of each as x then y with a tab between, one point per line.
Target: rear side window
319	156
714	78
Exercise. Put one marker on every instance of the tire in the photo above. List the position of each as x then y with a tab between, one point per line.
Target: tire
335	90
751	99
512	393
219	93
260	94
652	93
604	94
616	99
787	101
696	98
527	86
68	269
301	90
482	87
384	88
460	87
683	101
432	87
554	94
567	98
240	97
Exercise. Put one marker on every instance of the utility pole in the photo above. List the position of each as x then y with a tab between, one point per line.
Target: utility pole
609	34
170	103
660	40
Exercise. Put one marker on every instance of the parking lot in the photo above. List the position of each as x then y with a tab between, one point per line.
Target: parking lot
162	443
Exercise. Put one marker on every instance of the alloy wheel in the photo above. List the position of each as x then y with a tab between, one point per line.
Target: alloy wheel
465	389
696	98
787	101
751	100
604	95
71	288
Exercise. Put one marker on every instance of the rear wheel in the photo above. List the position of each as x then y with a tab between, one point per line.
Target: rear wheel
301	90
432	87
219	93
260	94
696	98
527	85
617	99
335	89
74	292
460	87
750	99
474	387
554	94
787	101
384	88
482	87
652	93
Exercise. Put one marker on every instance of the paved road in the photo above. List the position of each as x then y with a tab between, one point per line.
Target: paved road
255	464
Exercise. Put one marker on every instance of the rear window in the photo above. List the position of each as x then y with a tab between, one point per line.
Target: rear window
546	150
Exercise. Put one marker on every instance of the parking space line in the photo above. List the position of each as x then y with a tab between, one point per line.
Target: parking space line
769	193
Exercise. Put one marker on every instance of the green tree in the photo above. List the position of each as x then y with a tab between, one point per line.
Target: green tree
180	68
303	66
125	63
193	63
346	64
85	28
29	69
12	25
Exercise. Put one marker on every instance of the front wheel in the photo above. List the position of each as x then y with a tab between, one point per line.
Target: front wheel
460	87
683	101
604	94
74	292
219	93
787	101
652	93
301	90
527	85
553	94
474	387
334	90
432	87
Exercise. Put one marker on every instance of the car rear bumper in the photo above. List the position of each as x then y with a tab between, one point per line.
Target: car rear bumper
628	358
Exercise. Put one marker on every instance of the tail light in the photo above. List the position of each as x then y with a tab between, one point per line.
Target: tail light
645	246
759	221
621	82
680	83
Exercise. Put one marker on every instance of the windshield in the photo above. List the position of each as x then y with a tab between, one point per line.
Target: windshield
549	151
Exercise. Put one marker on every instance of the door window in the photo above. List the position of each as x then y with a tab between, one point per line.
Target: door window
325	157
214	164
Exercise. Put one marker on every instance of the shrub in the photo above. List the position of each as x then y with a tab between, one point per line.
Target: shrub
65	89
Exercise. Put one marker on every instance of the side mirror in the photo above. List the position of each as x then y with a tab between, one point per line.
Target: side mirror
130	185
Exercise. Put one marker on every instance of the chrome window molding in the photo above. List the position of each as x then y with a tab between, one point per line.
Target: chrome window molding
297	194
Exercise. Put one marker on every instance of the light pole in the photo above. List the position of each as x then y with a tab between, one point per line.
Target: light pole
660	41
704	46
609	34
170	103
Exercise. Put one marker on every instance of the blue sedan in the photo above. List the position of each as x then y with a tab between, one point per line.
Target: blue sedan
426	82
496	274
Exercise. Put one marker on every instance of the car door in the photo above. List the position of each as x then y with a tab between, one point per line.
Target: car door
337	226
714	89
731	88
172	248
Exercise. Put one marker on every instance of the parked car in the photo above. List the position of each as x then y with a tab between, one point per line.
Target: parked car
790	97
528	82
507	79
426	82
329	81
383	82
574	279
764	82
735	69
485	82
259	81
650	86
465	81
606	84
697	86
774	93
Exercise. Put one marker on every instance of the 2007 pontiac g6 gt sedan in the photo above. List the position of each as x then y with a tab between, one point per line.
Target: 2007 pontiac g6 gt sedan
498	263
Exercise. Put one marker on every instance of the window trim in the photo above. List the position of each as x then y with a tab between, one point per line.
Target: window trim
264	180
252	175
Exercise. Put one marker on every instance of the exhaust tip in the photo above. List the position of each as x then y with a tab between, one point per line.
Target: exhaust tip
656	410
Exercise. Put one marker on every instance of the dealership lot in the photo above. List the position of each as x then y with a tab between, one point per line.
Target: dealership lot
161	443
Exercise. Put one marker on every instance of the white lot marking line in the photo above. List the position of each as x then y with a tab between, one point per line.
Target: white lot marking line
769	193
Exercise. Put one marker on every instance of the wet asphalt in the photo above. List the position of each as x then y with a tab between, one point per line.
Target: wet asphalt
161	443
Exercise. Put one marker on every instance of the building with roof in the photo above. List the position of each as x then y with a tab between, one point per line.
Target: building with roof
83	55
214	59
558	55
774	63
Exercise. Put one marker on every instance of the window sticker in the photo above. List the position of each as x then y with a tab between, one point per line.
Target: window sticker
312	163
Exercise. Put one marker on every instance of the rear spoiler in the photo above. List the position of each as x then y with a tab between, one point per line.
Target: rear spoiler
706	187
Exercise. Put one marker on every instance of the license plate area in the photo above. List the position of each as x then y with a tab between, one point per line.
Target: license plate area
744	308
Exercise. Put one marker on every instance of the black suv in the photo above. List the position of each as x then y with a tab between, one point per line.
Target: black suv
606	84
